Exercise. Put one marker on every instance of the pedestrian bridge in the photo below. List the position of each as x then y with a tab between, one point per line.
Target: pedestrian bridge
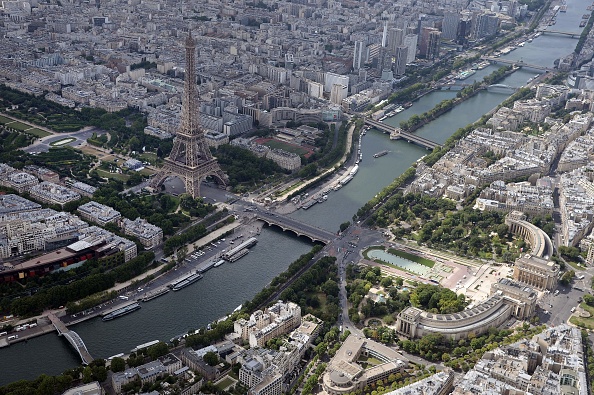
299	228
501	88
397	133
73	338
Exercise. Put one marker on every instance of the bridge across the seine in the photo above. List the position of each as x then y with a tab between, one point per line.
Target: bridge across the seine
519	63
501	88
298	227
397	133
73	338
549	31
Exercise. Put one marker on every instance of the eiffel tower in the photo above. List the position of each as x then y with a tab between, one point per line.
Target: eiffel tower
190	159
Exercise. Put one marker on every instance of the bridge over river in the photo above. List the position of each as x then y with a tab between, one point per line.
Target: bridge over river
552	31
298	227
519	63
397	133
73	338
501	88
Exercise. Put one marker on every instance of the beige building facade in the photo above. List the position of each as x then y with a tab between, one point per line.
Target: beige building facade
536	272
508	299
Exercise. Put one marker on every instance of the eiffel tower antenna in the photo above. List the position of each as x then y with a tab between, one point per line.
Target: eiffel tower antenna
190	158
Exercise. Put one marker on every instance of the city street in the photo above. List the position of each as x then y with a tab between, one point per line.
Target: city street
559	306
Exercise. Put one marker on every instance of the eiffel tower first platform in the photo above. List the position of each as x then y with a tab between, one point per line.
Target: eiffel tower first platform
190	158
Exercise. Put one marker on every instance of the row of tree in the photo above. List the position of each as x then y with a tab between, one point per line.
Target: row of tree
277	282
316	291
51	385
62	294
244	168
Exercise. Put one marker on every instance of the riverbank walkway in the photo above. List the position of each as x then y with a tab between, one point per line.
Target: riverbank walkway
73	338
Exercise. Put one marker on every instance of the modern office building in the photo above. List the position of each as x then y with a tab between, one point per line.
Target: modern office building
332	79
430	43
338	93
358	55
395	38
410	41
449	27
484	25
401	60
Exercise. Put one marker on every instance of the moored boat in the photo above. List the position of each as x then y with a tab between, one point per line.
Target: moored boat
191	279
155	294
127	309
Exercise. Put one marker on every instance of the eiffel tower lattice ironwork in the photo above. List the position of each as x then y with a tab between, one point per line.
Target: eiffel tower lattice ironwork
190	158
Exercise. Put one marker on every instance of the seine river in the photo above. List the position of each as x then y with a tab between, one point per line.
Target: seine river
224	288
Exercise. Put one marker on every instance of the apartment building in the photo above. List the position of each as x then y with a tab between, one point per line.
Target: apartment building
148	234
50	193
99	213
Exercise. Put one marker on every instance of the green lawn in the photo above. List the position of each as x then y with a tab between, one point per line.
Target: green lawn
224	383
115	176
287	147
149	157
575	266
19	126
4	119
582	322
37	132
369	362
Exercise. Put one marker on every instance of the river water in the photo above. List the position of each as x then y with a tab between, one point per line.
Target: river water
224	288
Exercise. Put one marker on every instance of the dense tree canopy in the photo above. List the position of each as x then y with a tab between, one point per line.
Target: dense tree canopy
244	167
437	299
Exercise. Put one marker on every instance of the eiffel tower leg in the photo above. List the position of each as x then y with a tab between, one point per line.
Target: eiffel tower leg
193	185
159	178
220	176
